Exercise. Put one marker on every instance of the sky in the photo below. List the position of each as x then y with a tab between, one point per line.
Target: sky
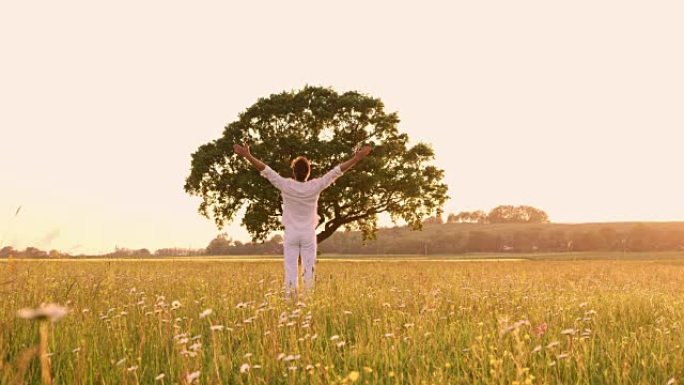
572	107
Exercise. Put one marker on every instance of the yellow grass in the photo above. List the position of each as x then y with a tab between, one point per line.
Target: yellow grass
413	322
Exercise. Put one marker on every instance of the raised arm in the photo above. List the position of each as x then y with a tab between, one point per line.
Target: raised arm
272	176
327	179
360	154
245	153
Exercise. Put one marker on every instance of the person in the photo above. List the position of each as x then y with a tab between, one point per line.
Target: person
300	209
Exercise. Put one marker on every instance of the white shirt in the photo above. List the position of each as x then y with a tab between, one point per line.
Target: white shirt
300	199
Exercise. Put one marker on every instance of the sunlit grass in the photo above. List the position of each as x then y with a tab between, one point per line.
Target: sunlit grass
589	322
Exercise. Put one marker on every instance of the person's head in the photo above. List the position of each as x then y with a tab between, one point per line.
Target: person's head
301	168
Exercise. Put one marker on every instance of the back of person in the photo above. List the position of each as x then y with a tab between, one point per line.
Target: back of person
300	205
300	199
300	210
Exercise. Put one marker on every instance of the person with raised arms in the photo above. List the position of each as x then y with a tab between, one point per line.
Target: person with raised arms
300	209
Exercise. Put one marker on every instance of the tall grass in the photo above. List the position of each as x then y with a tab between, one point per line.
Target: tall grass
588	322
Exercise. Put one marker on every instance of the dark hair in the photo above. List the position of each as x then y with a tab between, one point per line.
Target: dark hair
301	168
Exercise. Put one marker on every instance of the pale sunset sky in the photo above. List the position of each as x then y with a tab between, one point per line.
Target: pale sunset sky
573	107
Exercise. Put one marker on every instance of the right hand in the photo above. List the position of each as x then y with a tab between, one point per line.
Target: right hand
241	150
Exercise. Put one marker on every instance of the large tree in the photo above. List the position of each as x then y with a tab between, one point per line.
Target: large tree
326	127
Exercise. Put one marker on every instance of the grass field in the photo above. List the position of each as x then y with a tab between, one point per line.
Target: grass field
406	322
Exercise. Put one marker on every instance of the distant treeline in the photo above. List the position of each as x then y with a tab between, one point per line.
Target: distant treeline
439	237
523	238
514	229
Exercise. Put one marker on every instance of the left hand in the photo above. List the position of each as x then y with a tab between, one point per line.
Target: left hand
363	152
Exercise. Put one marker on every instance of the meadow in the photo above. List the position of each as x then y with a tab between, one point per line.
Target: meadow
376	322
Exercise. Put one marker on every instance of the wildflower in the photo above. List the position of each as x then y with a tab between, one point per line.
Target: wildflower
206	313
570	332
132	368
309	367
536	349
244	368
49	311
216	327
563	356
341	344
671	381
280	356
353	376
76	350
196	346
292	368
160	377
347	312
120	362
191	377
389	335
552	344
175	305
334	338
247	355
541	329
367	369
291	357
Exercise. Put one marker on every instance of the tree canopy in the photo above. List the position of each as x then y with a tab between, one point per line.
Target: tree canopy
326	127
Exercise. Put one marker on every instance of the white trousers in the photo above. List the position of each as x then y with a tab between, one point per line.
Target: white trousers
297	244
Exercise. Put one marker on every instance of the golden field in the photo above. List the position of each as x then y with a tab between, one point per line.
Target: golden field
377	322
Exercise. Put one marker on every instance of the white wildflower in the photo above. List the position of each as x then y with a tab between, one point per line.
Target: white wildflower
51	311
195	347
191	377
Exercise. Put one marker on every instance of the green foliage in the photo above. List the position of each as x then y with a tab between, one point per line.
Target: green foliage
517	214
325	127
